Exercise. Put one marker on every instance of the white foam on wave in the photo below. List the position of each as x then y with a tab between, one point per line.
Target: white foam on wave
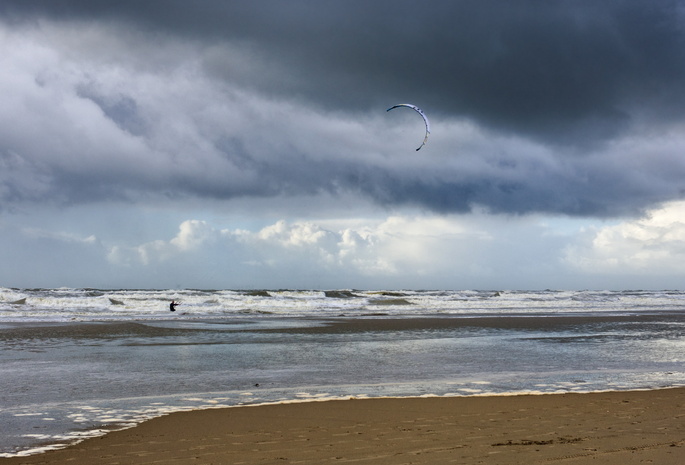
61	305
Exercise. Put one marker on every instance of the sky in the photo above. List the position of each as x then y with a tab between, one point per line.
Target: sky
239	145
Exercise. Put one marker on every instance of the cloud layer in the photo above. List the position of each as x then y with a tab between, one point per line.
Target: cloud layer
272	116
572	108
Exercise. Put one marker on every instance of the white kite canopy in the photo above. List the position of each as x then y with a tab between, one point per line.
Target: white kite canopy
423	115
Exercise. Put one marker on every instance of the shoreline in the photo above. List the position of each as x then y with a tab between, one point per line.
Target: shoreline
618	427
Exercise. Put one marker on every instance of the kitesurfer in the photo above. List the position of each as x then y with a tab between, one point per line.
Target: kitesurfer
172	306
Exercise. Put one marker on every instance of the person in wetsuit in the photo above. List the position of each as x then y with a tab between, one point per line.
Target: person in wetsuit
172	306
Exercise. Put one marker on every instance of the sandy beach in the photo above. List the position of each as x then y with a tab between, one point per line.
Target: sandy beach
635	427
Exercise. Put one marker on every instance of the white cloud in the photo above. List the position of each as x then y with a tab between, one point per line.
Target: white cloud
398	245
417	251
401	251
192	235
653	245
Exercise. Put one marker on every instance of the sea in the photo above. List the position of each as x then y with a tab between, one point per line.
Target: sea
77	363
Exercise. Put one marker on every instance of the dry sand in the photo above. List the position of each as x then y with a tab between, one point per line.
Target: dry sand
638	427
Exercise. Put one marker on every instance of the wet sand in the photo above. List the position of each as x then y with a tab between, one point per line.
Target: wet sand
307	325
623	428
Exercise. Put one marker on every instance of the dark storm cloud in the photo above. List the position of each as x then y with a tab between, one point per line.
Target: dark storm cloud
567	71
574	77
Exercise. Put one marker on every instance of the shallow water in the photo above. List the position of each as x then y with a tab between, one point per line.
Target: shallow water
63	380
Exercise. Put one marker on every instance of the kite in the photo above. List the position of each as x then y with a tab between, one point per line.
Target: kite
423	115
